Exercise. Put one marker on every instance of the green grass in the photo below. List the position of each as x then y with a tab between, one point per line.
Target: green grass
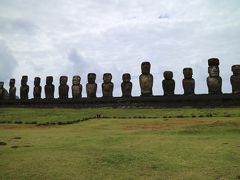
129	148
55	115
161	148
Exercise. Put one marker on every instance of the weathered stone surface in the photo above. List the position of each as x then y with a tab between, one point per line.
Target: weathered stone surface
168	83
176	101
63	88
37	90
1	90
76	87
235	79
214	81
107	85
49	87
188	82
24	89
126	85
12	89
146	79
91	86
2	143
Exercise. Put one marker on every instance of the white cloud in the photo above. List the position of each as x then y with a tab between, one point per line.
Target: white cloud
8	63
76	37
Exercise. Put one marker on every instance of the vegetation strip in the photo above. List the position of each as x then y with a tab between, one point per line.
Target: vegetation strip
59	116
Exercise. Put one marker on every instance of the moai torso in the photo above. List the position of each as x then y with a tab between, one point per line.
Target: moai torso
63	88
214	81
37	90
76	87
235	79
1	90
91	86
49	87
168	83
188	82
146	80
107	85
24	89
12	89
126	85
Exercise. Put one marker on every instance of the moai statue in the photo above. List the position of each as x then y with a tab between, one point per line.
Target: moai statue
214	81
146	79
37	90
24	89
12	89
188	82
235	79
91	86
1	90
76	87
126	85
168	83
63	88
107	85
49	87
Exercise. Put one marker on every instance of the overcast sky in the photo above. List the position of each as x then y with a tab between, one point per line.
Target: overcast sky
75	37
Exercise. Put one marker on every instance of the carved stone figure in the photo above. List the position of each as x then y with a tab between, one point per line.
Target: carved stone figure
37	90
24	89
12	89
214	81
126	85
107	85
168	83
1	90
188	82
49	87
76	87
63	88
91	86
146	79
235	79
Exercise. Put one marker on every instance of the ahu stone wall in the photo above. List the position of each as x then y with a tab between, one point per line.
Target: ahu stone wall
213	82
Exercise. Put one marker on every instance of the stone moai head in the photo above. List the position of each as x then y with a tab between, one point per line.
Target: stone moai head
37	81
63	80
213	68
187	72
91	78
145	66
107	77
24	80
49	80
126	77
168	75
236	70
76	80
1	85
12	82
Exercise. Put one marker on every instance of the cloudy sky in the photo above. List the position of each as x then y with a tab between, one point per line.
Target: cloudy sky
59	37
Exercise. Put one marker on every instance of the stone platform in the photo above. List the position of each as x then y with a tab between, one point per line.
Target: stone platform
175	101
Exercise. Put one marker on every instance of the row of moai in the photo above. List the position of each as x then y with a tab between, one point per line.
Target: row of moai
214	83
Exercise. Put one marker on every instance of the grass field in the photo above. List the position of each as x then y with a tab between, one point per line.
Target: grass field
128	144
55	115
